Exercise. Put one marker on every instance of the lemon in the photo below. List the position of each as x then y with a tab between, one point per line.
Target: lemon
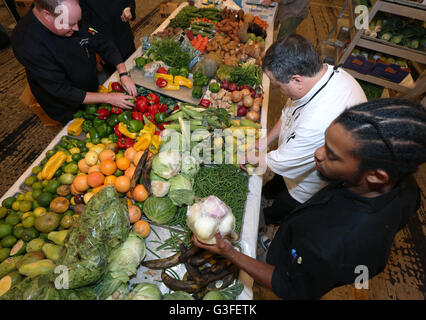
29	196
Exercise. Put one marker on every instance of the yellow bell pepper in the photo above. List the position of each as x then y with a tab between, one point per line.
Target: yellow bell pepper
53	164
182	81
102	89
143	142
122	127
171	86
165	76
74	128
148	128
155	144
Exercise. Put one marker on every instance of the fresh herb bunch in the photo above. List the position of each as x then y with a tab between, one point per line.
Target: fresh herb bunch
170	52
248	73
228	183
188	13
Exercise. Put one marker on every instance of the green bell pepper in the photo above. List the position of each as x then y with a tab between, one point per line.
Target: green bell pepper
98	122
140	62
102	130
87	124
78	114
93	134
135	126
106	106
125	116
113	137
112	120
91	108
174	71
184	72
197	92
160	117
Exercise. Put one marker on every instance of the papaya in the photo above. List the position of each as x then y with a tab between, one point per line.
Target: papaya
35	245
30	257
5	285
9	265
18	248
51	251
37	268
58	237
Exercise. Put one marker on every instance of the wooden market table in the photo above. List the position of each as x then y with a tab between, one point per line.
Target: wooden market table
249	230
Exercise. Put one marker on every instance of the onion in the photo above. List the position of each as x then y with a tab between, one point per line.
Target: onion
253	116
242	111
255	108
248	101
245	92
257	102
236	96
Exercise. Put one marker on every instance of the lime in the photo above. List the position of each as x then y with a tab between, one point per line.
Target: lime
44	199
29	196
35	204
16	205
37	185
43	162
36	193
3	212
50	153
26	215
18	231
52	186
4	254
20	197
30	180
7	203
8	241
28	222
76	157
5	230
71	167
13	219
36	170
25	205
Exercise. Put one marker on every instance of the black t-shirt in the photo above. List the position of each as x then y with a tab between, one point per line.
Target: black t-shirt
320	244
105	17
60	70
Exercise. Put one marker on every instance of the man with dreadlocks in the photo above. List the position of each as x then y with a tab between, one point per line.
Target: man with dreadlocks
371	152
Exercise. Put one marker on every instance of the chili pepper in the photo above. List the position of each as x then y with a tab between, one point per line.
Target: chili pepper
116	110
103	113
205	103
148	115
153	98
141	104
164	107
162	70
136	115
159	117
161	82
129	142
117	131
154	109
116	86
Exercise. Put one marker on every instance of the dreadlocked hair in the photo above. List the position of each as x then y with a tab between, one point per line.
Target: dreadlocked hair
390	133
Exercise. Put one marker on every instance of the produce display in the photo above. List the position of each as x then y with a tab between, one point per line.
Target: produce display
92	203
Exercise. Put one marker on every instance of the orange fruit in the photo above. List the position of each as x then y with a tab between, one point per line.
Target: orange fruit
130	153
95	179
137	157
129	172
74	191
109	180
122	163
122	184
135	214
83	166
107	155
94	168
80	183
129	202
108	167
140	194
142	228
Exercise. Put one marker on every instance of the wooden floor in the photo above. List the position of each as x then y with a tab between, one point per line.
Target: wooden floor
23	138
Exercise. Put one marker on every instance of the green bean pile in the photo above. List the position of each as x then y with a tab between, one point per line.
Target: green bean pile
228	183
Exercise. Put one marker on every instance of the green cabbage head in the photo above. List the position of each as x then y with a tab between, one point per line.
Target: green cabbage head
159	210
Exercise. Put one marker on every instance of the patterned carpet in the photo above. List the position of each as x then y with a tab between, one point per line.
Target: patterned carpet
23	138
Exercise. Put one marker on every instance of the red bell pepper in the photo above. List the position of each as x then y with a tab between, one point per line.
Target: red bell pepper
153	98
176	108
116	110
149	116
121	143
154	109
205	103
161	82
162	70
117	132
103	113
116	86
141	104
136	115
164	107
161	126
129	142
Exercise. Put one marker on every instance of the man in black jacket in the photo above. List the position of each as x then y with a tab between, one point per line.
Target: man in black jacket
58	51
371	151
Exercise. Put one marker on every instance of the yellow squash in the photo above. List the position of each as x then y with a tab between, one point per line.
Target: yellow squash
53	164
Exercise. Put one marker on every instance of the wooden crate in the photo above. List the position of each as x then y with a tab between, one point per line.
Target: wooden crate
167	8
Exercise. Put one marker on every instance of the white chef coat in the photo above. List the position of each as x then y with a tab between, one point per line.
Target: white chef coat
303	128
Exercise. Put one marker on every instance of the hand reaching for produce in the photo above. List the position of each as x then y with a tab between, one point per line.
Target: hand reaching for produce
120	100
129	86
126	15
222	246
